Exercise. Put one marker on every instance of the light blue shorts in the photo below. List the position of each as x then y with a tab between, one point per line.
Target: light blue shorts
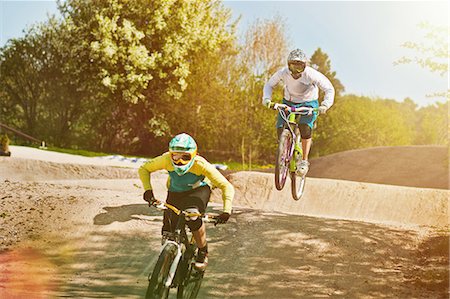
308	119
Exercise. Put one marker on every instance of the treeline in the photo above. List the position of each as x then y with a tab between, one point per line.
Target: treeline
125	76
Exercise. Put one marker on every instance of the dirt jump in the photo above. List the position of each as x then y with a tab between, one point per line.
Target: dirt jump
77	227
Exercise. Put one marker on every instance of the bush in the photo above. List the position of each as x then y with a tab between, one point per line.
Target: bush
4	145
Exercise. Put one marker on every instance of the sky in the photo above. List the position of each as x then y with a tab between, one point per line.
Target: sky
361	38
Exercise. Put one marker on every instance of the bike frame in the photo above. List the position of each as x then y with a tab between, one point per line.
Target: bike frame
180	238
290	151
290	121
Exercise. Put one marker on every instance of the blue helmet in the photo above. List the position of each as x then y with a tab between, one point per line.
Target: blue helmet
183	150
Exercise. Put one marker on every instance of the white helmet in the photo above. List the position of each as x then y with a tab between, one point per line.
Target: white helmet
296	62
297	55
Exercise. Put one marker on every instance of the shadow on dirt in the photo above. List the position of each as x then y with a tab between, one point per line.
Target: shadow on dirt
284	256
124	213
432	269
106	265
256	255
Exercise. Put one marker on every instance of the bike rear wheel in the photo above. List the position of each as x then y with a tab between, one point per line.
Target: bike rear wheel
156	286
297	185
283	159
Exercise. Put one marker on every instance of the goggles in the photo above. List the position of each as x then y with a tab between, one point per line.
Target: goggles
296	67
181	158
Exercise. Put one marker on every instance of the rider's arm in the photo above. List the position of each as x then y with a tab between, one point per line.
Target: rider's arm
218	180
268	87
150	166
324	84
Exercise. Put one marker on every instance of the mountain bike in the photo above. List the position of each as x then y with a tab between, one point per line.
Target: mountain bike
175	265
290	150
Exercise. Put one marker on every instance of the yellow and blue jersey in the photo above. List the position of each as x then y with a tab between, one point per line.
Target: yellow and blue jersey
201	173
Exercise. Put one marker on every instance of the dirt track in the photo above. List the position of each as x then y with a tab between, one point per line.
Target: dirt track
413	166
88	238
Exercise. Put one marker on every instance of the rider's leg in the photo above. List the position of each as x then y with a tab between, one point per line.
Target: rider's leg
306	147
169	219
199	198
199	232
201	260
200	236
306	133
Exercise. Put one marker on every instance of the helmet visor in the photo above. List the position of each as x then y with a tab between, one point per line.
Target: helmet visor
181	158
296	67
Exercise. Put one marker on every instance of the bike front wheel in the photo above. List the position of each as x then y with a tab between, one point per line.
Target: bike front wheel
283	159
297	185
191	285
157	282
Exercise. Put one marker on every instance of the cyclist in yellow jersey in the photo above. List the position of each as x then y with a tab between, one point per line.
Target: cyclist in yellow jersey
189	186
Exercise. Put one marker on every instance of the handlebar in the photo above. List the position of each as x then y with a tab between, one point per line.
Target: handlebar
296	110
210	218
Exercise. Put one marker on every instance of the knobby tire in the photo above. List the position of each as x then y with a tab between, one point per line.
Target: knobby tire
282	162
297	185
190	286
156	286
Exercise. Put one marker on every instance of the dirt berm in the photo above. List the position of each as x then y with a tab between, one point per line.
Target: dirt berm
413	166
345	200
397	185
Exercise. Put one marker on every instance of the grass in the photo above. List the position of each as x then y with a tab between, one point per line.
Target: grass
77	152
239	166
86	153
232	165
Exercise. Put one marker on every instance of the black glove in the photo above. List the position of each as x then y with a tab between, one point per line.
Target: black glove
222	218
149	197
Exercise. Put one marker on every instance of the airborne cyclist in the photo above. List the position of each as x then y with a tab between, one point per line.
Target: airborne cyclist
301	89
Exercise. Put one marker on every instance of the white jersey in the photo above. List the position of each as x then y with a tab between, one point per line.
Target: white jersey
303	89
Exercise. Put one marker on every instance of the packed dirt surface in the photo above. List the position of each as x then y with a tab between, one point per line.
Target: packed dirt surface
20	169
83	231
414	166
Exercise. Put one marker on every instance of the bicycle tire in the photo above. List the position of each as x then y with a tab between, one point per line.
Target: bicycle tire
191	285
156	286
282	159
297	185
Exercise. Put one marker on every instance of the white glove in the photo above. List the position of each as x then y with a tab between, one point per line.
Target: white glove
323	109
283	106
267	102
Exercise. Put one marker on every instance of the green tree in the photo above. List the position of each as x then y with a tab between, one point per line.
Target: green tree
430	53
266	47
106	75
40	82
19	83
264	52
144	57
433	125
361	122
322	63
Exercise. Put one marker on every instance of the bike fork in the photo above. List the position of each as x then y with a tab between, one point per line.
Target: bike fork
173	267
